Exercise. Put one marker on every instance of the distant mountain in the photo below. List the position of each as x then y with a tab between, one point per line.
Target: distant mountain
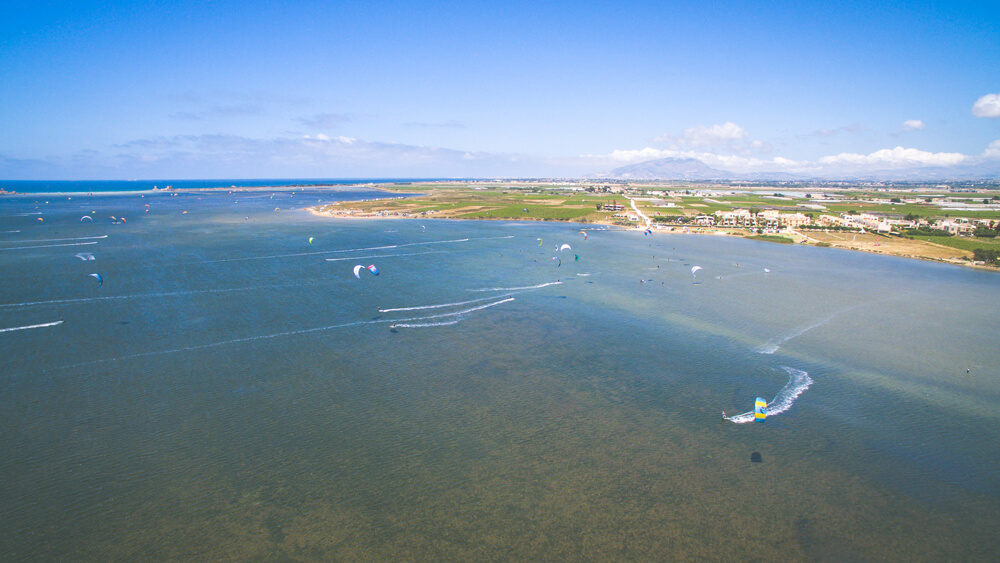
684	169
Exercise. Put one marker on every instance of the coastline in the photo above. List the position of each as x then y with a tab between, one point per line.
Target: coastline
863	242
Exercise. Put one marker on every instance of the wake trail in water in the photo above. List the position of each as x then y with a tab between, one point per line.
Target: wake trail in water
798	382
49	245
385	255
424	325
441	306
363	249
215	344
539	286
460	314
139	296
771	346
268	337
55	239
30	326
292	255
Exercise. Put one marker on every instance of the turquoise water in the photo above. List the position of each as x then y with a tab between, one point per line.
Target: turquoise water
233	391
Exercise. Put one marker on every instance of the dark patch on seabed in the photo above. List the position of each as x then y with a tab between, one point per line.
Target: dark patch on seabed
275	531
820	545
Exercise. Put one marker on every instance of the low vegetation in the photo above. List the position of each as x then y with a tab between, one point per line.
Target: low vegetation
772	238
679	204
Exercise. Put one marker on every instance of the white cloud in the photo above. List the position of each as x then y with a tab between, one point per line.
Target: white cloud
701	136
321	155
856	128
913	125
727	136
317	155
897	158
715	135
992	151
640	155
324	120
987	106
450	124
735	163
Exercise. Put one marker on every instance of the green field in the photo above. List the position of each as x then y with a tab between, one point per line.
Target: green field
925	211
501	200
963	243
772	238
534	212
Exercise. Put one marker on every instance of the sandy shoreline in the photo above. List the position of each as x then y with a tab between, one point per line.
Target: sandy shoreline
872	243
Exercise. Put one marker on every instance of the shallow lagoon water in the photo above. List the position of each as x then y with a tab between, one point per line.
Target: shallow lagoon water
233	392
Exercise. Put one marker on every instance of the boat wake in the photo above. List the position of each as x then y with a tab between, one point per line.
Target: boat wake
798	382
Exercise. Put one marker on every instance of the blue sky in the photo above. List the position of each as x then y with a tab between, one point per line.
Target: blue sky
94	90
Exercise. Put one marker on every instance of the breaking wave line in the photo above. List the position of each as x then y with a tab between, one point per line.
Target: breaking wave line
798	382
30	326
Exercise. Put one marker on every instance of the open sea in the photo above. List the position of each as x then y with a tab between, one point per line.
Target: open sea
207	379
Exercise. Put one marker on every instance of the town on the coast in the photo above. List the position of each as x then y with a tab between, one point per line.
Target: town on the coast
952	222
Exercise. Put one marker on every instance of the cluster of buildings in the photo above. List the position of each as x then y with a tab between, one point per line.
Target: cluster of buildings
768	220
959	226
773	221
